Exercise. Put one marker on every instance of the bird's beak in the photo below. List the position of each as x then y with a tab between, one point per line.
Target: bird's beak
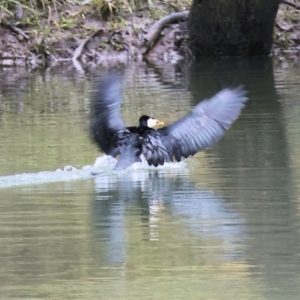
160	123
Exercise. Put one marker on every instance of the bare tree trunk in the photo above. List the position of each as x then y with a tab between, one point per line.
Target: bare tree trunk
232	27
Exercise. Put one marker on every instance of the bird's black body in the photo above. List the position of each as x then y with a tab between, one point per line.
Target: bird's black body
198	130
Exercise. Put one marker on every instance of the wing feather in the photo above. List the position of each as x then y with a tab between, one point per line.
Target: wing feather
105	119
204	125
152	148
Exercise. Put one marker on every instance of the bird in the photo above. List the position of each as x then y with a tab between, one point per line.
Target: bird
199	129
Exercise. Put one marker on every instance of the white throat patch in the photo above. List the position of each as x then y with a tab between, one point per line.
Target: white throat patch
151	122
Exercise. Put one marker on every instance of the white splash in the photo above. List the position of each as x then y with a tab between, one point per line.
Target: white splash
103	166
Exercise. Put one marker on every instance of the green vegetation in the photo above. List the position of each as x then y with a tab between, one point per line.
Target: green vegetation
55	28
44	18
30	12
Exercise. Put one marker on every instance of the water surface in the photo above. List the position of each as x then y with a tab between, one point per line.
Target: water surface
222	225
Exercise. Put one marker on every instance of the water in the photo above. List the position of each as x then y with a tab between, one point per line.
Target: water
221	225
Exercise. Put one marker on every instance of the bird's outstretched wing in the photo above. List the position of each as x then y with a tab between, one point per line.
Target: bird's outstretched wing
204	125
105	118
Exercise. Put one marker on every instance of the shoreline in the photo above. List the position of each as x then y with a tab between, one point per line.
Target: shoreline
139	36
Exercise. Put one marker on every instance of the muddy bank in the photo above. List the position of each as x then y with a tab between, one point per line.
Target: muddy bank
91	40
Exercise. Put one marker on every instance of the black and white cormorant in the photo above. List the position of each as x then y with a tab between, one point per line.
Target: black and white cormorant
199	129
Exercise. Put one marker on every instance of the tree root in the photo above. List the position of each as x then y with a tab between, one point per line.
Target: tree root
78	51
155	30
297	6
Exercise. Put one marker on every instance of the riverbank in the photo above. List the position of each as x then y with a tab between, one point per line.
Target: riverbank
99	32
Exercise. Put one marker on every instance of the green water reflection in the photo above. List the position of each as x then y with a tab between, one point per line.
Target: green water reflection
45	126
225	225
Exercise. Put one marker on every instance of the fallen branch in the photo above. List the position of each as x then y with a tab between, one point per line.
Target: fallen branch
78	51
15	29
297	6
157	27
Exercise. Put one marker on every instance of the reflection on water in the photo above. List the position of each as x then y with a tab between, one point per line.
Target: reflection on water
166	195
223	225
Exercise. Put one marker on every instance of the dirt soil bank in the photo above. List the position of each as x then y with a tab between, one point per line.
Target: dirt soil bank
146	34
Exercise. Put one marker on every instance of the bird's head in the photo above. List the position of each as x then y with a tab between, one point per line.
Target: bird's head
146	121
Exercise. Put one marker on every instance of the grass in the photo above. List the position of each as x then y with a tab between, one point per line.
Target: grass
49	21
46	8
